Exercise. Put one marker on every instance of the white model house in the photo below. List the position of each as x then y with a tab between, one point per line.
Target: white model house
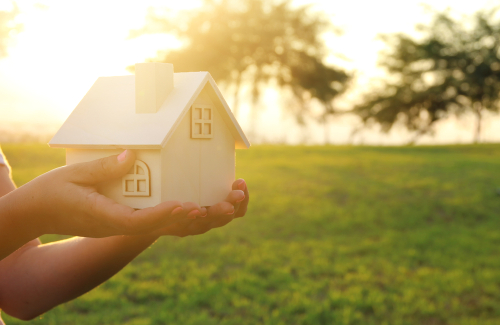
179	125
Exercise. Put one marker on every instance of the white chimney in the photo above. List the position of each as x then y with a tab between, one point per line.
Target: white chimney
153	82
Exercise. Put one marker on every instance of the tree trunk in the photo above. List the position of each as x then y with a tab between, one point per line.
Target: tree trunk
354	132
416	137
254	116
327	130
479	116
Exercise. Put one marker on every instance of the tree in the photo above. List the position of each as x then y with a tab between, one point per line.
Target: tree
254	41
454	68
7	27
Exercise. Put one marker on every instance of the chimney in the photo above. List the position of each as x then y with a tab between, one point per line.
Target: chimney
153	83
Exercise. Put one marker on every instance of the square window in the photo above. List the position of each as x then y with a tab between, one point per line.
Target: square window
201	122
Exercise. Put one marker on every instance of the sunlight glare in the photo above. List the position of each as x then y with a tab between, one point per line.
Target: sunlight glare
66	46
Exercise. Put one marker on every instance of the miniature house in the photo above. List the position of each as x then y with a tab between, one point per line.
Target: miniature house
179	125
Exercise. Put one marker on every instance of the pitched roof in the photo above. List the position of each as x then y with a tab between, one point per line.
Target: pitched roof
106	117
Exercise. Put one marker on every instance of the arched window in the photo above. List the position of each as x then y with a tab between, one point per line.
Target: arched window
136	182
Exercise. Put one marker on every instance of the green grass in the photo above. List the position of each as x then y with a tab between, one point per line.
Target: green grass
334	235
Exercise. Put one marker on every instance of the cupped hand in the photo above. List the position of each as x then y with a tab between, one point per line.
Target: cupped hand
218	215
65	201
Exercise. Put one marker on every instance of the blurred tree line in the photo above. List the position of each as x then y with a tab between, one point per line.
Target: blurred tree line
255	42
452	69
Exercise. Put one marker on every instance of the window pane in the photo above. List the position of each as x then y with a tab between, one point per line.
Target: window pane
207	114
207	128
197	128
197	113
141	186
129	186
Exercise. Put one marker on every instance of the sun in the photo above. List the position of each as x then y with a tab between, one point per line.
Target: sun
66	46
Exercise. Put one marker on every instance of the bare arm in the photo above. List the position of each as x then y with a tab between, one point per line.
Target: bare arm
37	278
6	183
65	201
6	186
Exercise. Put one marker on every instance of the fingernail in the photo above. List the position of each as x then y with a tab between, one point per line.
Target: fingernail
204	215
193	214
242	185
230	212
242	197
176	211
121	157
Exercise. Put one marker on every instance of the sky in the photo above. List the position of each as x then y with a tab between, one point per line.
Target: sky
66	45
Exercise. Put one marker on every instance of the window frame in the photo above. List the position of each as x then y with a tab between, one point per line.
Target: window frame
202	121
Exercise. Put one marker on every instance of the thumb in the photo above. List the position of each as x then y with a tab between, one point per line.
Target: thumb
101	170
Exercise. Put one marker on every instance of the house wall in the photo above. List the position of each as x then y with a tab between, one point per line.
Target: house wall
113	188
199	170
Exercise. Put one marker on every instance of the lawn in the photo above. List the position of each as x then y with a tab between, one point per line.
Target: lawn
333	235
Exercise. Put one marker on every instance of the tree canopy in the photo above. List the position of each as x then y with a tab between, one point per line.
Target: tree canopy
254	41
7	27
454	68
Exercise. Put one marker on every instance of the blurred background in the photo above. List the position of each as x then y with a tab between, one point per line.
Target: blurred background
381	232
294	72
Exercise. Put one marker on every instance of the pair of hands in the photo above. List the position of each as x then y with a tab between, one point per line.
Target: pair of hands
65	201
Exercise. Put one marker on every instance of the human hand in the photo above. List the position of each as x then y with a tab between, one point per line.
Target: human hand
65	201
218	215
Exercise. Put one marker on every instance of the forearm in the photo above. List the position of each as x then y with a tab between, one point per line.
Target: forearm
15	229
42	277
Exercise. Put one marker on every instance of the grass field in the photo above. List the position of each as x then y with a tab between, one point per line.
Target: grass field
334	235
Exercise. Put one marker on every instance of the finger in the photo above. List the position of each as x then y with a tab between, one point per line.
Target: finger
220	214
126	220
241	206
190	211
235	196
165	213
100	170
239	184
201	225
220	209
194	211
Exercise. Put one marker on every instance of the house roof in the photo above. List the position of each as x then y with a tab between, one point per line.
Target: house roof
106	117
